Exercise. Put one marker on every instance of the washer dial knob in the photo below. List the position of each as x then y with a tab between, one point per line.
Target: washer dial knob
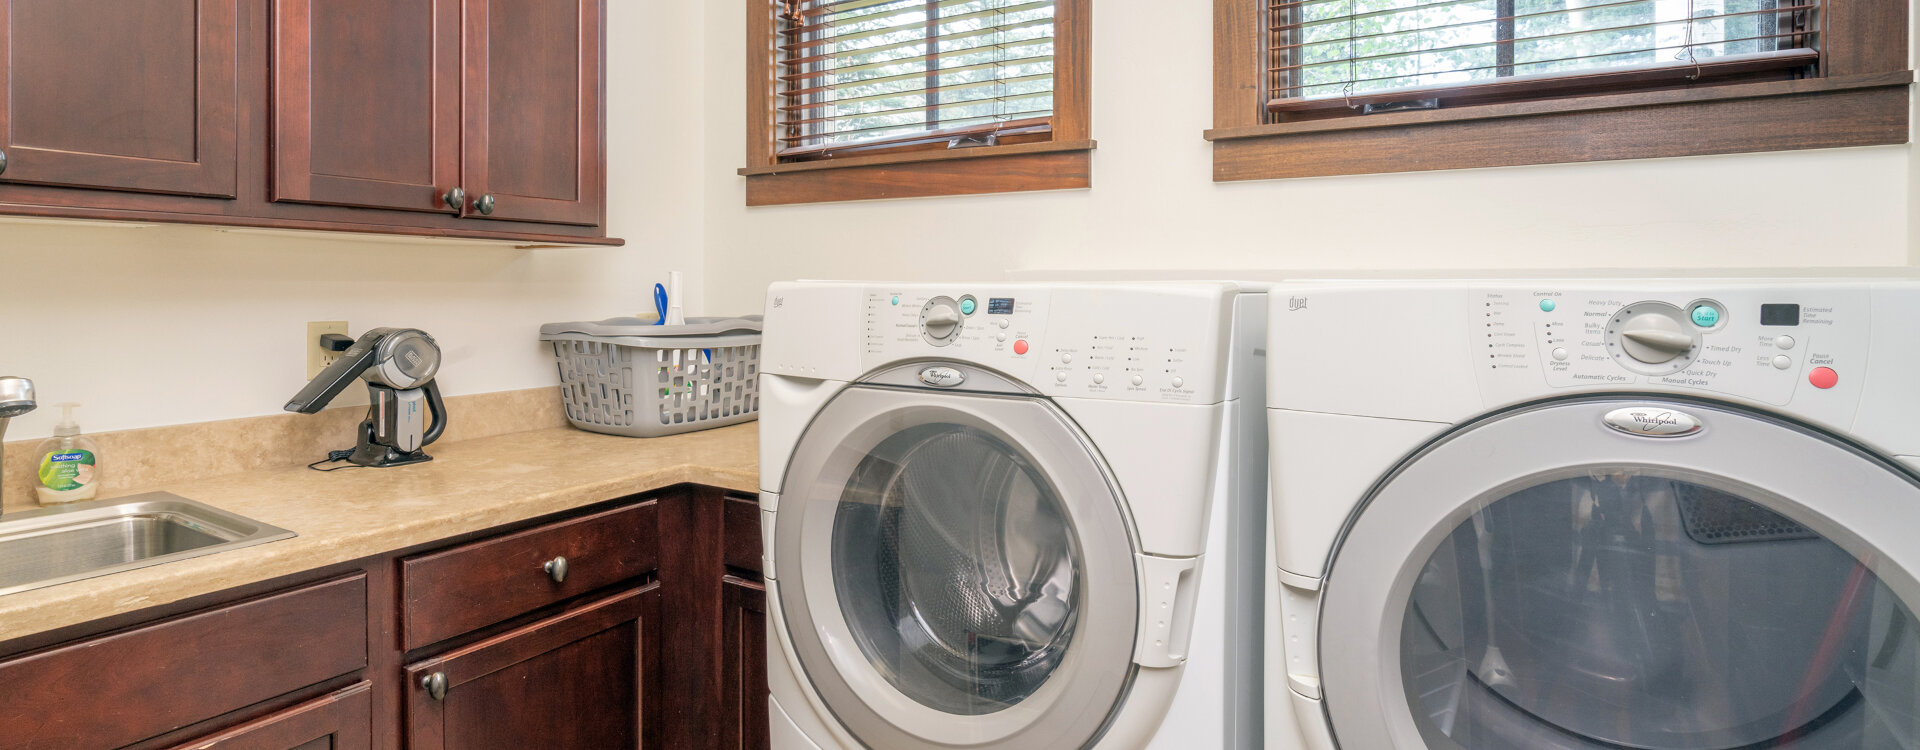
1653	338
940	321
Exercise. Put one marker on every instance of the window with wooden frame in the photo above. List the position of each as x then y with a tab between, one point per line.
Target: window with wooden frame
1307	88
864	99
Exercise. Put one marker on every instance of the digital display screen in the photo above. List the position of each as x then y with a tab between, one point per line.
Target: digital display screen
1779	315
1000	306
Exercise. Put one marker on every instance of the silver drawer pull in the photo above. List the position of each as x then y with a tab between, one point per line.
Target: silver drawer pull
557	568
436	685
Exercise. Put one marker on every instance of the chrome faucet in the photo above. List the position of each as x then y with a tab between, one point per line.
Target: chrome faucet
16	398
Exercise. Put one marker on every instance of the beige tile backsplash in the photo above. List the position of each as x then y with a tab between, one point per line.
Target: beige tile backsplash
139	460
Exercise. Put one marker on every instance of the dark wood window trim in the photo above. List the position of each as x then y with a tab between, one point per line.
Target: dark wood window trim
1859	99
1062	161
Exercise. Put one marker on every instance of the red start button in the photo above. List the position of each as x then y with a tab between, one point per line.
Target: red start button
1020	347
1823	377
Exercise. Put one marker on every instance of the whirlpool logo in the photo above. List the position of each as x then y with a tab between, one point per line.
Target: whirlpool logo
1652	421
942	377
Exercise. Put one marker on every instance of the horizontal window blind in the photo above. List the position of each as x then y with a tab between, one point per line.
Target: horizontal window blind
870	73
1332	53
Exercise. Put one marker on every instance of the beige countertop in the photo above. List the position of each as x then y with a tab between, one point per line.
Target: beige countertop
471	485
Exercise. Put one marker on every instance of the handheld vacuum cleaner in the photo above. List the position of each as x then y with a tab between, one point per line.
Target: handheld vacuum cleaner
398	365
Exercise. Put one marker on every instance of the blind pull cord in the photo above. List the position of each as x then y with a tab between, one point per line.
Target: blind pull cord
1688	49
991	138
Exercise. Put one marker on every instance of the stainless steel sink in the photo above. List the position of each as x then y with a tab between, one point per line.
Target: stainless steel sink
67	543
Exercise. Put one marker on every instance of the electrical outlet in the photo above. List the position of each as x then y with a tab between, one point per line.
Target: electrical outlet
317	358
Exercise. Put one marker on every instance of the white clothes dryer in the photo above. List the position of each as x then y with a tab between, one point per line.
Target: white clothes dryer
1575	515
1013	515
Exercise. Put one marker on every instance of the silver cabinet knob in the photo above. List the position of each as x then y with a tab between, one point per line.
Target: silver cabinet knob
436	685
557	569
455	198
484	205
3	162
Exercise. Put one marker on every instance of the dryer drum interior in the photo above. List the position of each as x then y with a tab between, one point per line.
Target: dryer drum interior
1625	609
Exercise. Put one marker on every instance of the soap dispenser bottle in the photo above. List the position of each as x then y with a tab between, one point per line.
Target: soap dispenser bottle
69	463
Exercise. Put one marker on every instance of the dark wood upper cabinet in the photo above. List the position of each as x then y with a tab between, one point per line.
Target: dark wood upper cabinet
479	119
534	141
577	680
366	103
134	95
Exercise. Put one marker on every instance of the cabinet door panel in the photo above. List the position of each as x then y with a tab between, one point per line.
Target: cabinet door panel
341	720
743	649
134	95
366	107
578	680
533	138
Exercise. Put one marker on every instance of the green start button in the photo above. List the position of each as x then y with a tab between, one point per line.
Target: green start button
1706	316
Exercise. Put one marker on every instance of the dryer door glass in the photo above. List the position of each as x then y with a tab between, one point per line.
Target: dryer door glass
956	569
1623	609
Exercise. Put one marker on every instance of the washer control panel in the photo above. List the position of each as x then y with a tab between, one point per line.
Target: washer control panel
1765	344
1161	345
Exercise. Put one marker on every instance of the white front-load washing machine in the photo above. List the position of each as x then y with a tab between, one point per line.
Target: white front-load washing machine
1659	514
1013	515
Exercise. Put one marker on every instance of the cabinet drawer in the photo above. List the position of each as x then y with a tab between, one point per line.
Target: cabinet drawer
122	688
458	590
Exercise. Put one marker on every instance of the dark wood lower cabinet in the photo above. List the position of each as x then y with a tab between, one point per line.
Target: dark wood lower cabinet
341	720
579	680
144	682
743	665
641	645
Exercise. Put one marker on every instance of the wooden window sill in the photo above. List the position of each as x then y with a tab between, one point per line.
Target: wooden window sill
1859	110
1061	165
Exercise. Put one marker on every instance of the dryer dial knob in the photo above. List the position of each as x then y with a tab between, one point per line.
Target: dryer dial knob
1653	338
940	321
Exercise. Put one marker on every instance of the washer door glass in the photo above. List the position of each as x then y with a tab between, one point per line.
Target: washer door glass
956	569
1543	579
1621	608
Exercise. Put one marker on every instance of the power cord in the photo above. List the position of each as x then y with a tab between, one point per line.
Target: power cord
333	456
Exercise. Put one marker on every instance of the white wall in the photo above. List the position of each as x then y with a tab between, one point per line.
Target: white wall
169	325
1153	204
172	324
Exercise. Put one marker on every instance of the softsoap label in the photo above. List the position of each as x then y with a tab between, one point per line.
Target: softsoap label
67	470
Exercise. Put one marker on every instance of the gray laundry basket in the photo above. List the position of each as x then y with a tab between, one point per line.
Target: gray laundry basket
623	376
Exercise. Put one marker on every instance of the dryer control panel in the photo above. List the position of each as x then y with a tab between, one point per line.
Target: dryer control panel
1162	343
1760	344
